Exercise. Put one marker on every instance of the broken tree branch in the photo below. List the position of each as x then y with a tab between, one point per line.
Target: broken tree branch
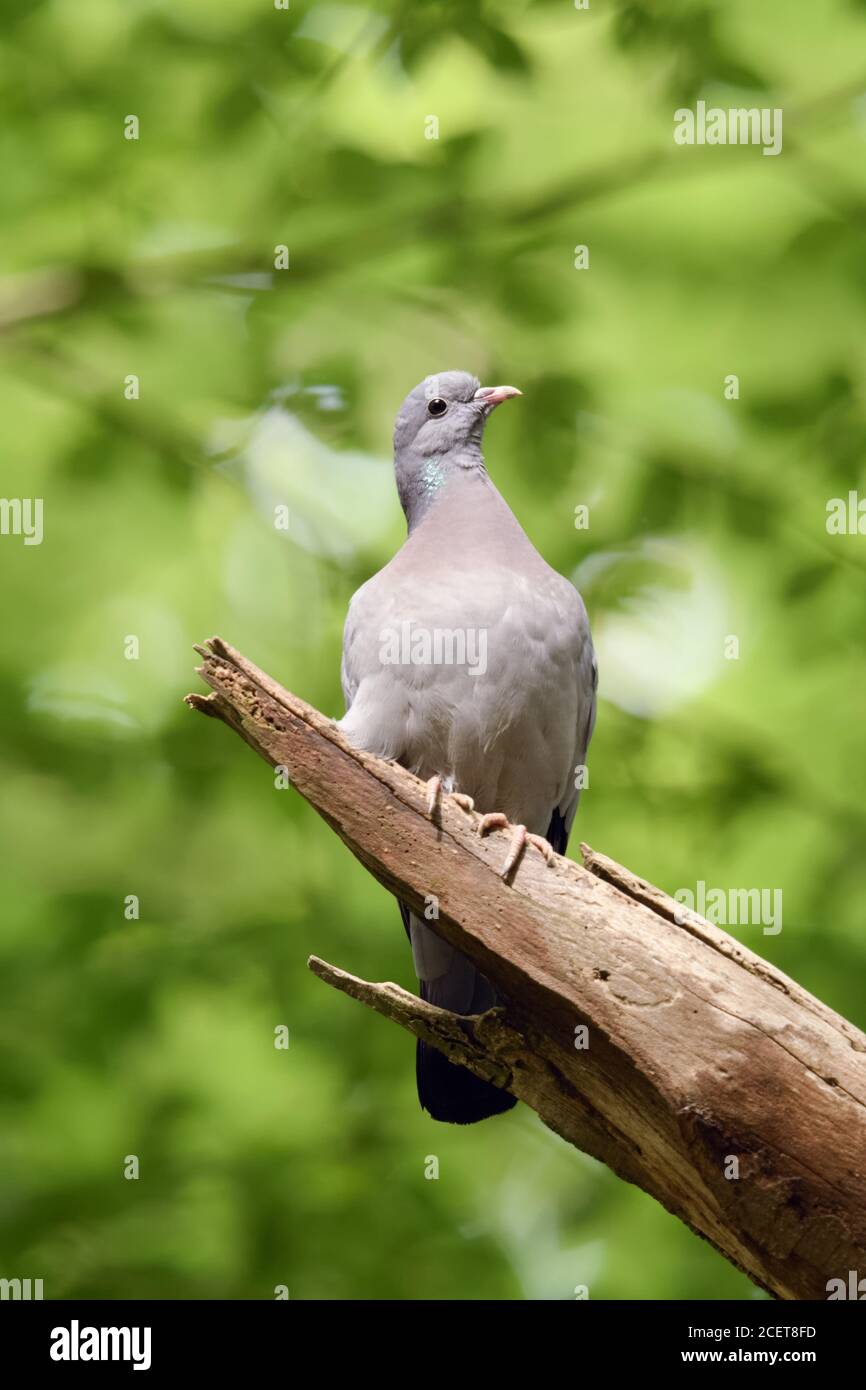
638	1031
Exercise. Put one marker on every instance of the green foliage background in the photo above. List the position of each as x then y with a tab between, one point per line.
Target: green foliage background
260	127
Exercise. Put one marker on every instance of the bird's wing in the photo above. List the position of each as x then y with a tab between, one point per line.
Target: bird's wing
350	675
563	815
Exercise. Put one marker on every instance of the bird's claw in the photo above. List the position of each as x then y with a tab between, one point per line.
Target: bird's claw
543	846
434	791
520	838
493	820
434	788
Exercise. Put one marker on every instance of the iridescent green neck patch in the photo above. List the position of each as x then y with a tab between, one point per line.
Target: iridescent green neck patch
432	477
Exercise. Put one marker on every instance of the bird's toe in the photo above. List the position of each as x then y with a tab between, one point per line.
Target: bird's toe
515	849
542	846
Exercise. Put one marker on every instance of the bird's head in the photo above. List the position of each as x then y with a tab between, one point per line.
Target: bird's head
438	430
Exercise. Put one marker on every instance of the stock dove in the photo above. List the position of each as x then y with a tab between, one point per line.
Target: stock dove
468	660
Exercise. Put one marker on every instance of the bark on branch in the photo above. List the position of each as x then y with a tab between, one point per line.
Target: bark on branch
709	1078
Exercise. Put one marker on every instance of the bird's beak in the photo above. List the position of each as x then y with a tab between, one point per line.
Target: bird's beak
495	395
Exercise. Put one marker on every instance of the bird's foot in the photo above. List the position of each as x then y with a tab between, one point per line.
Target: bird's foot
434	791
520	838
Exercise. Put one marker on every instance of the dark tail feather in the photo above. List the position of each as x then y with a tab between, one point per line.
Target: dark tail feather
557	835
450	1092
446	1090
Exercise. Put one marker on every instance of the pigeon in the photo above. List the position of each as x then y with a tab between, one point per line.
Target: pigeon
469	661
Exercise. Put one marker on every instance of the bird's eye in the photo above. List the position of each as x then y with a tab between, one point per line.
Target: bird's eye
437	406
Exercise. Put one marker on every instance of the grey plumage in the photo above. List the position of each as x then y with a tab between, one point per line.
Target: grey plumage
509	723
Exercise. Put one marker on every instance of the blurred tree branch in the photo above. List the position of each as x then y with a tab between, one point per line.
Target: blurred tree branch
55	290
638	1031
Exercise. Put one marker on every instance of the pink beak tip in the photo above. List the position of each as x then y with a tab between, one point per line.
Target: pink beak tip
495	395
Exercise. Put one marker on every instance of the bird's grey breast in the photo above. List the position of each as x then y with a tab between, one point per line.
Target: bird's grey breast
468	667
